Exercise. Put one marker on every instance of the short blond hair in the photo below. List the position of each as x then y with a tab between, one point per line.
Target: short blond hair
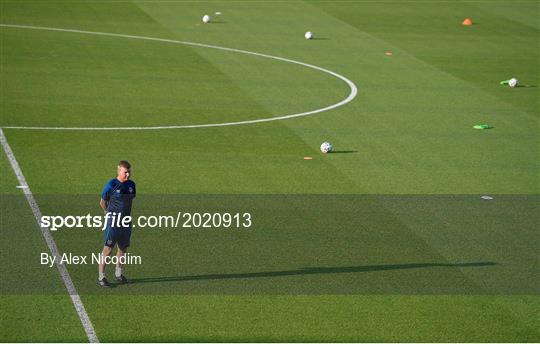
124	164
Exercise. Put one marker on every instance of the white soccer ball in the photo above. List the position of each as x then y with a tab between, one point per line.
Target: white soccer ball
326	147
206	18
513	82
308	35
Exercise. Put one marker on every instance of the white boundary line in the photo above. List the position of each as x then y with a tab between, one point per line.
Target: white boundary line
75	298
350	97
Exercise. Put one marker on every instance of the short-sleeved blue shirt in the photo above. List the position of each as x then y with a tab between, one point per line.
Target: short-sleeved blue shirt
119	196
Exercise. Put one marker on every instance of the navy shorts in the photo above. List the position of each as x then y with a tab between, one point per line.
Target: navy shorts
120	236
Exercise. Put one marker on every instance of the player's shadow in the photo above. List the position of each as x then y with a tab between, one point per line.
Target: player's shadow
343	152
309	271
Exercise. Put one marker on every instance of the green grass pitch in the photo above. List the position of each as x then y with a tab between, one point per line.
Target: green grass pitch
385	240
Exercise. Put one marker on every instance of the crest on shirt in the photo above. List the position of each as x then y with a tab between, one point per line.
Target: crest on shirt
130	189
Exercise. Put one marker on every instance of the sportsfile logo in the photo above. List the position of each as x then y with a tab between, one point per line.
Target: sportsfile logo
86	221
180	220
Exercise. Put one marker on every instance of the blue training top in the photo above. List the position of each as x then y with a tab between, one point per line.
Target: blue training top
119	196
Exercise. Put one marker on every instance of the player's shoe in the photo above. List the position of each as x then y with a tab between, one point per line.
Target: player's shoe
121	279
104	283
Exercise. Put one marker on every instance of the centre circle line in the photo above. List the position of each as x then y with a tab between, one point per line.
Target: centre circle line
350	97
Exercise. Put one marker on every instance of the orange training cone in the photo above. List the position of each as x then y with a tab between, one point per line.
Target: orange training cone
467	22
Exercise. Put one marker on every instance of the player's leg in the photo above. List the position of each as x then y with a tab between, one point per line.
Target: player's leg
119	272
110	242
102	280
123	244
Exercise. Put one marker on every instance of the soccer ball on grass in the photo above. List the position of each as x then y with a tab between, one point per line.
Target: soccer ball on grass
513	82
326	147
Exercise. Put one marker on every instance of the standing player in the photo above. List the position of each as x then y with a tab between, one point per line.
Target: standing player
116	200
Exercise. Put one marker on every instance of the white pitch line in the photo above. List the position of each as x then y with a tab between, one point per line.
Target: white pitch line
351	96
75	298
